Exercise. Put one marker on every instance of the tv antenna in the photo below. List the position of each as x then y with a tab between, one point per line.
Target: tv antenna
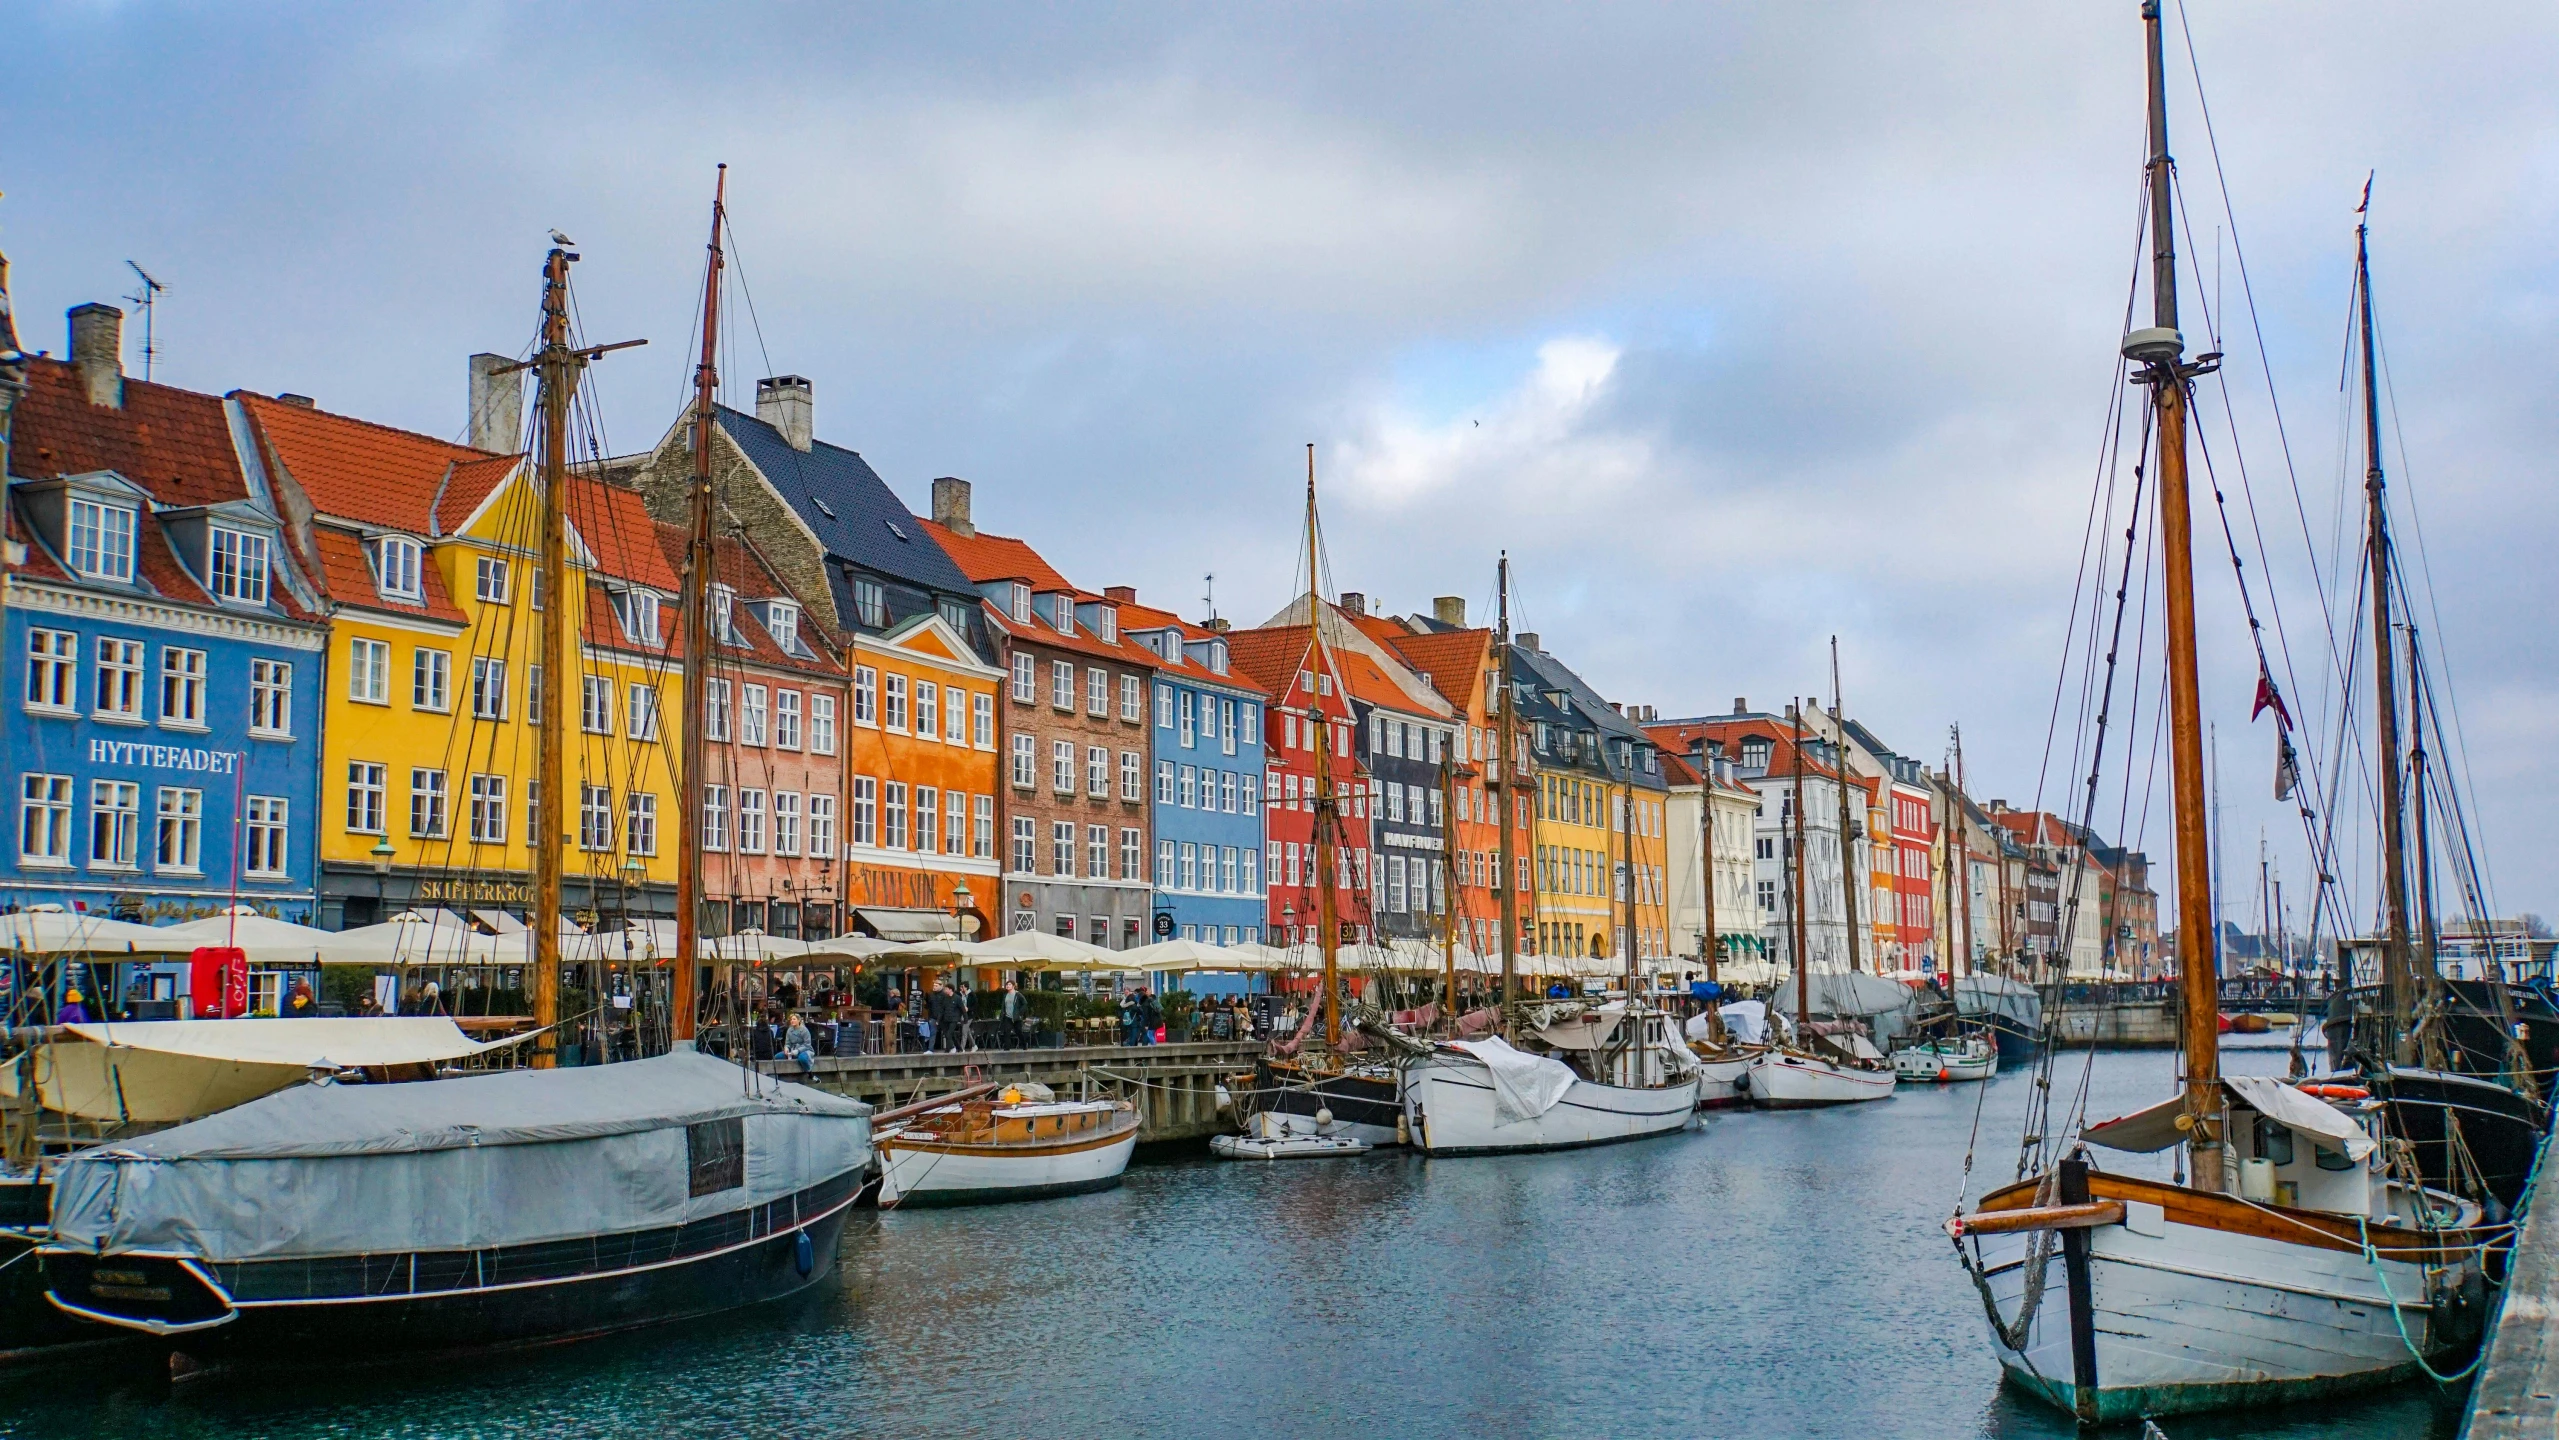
1210	599
148	297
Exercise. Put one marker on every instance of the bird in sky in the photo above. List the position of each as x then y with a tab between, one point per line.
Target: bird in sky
559	239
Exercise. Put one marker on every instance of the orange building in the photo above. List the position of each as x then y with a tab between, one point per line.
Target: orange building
921	777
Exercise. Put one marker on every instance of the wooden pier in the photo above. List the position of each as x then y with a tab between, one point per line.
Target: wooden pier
2517	1392
1173	1086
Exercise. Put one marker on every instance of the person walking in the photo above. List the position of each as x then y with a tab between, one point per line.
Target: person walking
944	1008
1016	1009
1149	1016
1130	1014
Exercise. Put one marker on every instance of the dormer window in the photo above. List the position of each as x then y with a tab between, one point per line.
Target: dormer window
398	568
1754	754
1062	607
639	609
1020	608
782	617
1217	657
870	603
724	614
101	540
239	566
1110	626
954	614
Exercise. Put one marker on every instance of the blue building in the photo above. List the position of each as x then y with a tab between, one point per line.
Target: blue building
162	707
1206	751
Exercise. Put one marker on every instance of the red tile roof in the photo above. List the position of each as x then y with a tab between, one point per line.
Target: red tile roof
627	543
346	576
1452	660
741	570
1274	654
174	443
1134	616
356	470
983	557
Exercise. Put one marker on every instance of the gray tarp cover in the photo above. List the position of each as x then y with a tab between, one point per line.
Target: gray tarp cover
452	1164
2002	996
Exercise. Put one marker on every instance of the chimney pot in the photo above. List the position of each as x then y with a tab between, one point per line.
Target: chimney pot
1216	624
497	404
1120	594
788	403
1450	610
1741	704
951	505
299	402
1354	603
1528	638
97	353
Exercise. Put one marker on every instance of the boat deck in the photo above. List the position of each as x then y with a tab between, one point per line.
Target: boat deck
1173	1086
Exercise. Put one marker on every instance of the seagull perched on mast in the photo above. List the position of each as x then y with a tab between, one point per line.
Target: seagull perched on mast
561	240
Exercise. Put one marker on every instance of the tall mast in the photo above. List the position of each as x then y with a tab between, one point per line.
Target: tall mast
2398	973
2427	972
558	368
699	561
1505	770
1327	805
1448	869
2160	352
1803	987
1710	944
1847	844
1622	908
1959	892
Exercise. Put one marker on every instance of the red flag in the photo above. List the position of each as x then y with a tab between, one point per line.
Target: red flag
2268	698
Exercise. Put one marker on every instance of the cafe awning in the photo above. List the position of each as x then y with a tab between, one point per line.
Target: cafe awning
910	925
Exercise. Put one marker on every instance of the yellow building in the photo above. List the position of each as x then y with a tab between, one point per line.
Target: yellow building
425	554
1601	848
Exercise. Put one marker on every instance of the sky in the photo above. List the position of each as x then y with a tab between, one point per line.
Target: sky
1738	328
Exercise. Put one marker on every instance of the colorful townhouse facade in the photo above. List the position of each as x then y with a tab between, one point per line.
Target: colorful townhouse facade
1208	767
1310	708
1711	818
1602	842
913	633
163	717
1075	725
1461	665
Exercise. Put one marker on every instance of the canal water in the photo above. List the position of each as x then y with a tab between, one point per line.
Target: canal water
1764	1275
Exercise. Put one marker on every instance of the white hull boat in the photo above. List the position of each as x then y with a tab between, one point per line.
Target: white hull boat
1947	1062
1723	1082
1270	1136
1787	1080
2321	1276
1482	1097
983	1154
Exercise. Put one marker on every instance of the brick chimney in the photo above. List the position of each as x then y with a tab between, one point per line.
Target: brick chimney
1528	639
951	505
1354	603
1449	610
1215	624
497	404
1120	594
97	353
788	403
1741	704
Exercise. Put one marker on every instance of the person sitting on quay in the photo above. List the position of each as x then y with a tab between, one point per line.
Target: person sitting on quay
798	1044
72	1011
299	1005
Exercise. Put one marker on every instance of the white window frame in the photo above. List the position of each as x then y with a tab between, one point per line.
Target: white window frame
238	568
399	567
430	803
982	720
177	844
640	824
100	538
431	680
268	824
493	579
53	672
367	780
786	719
184	674
44	821
115	825
821	724
595	707
117	697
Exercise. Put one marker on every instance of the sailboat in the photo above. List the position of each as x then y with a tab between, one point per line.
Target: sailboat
1579	1074
1813	1070
564	1202
2289	1261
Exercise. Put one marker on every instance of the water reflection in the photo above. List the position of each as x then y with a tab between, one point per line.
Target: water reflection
1764	1275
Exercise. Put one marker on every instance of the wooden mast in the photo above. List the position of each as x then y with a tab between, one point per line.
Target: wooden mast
1961	888
2429	974
2398	973
557	366
1505	771
1448	869
1711	943
2160	351
1803	987
700	560
1327	805
1847	840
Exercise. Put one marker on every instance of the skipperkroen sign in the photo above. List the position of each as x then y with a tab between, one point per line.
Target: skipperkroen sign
163	757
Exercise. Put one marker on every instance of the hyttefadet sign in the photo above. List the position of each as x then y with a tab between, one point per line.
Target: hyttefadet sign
136	755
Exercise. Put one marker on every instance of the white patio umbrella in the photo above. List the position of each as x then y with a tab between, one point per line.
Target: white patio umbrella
1039	950
857	947
755	947
1193	955
941	950
410	939
49	929
267	941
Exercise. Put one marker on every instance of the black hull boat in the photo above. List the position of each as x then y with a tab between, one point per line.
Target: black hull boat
351	1223
376	1307
2500	1130
1366	1103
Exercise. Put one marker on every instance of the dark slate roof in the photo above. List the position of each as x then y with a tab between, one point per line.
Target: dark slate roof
831	478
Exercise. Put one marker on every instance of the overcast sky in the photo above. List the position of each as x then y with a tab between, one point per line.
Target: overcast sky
1739	327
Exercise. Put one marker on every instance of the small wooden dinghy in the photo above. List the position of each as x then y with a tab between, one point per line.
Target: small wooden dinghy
1018	1145
1269	1135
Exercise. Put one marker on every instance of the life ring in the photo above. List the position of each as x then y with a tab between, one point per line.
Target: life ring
2337	1092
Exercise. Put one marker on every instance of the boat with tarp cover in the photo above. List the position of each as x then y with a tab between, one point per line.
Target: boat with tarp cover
332	1223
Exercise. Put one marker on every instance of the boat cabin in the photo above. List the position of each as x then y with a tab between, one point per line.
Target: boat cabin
2292	1149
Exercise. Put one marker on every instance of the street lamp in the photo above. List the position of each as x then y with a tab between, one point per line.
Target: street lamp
961	900
382	853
